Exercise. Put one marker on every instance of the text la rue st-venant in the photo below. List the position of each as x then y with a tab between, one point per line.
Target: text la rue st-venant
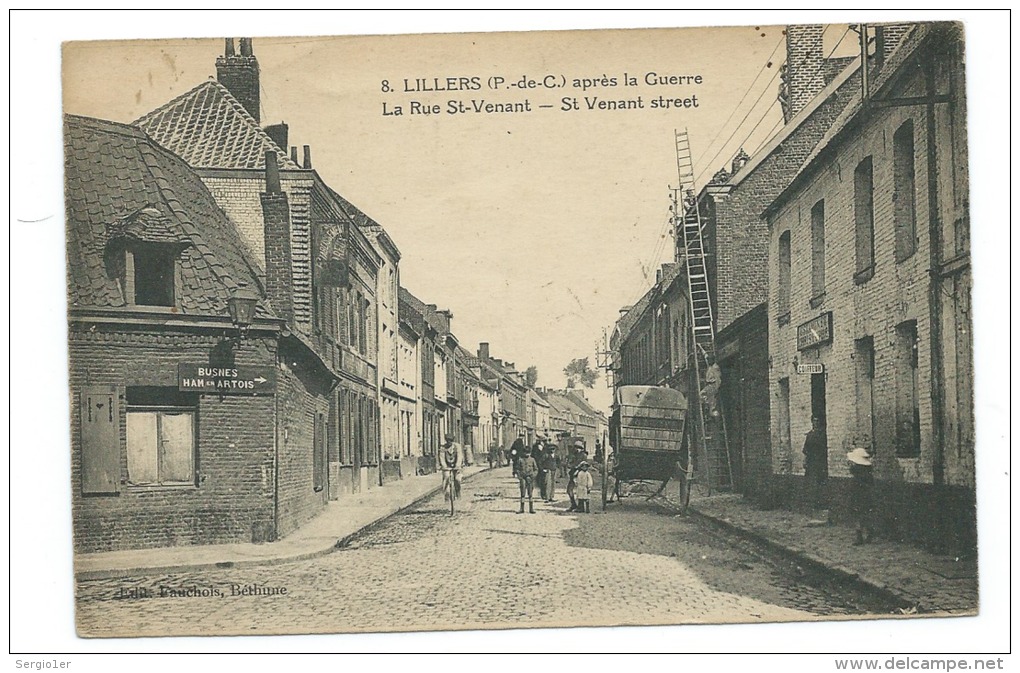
566	104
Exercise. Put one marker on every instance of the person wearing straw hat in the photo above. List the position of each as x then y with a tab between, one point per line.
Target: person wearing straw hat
862	487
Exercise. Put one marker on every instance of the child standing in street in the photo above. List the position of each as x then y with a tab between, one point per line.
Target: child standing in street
582	488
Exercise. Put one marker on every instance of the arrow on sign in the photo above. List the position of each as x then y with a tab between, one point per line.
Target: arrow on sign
259	379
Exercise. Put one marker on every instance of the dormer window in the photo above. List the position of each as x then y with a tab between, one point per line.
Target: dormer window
152	269
144	249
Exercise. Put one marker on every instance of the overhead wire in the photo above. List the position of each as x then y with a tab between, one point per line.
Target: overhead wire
711	162
750	87
780	124
660	242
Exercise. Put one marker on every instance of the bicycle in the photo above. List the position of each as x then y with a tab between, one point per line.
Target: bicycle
450	488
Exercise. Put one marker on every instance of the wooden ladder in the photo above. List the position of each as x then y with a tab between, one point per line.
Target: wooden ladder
690	251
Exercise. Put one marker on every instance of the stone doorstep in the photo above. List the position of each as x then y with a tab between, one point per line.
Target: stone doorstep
240	555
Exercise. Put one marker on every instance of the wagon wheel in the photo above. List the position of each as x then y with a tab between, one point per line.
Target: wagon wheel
685	488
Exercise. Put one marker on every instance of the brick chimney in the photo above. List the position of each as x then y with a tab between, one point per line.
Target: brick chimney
278	132
483	351
279	262
802	75
887	38
240	74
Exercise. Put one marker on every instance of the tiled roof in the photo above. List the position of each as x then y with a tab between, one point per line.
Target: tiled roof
209	128
118	181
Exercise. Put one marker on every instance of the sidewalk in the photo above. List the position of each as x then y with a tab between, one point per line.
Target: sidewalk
332	528
905	574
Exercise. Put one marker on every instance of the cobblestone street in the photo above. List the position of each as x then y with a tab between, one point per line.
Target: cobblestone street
487	567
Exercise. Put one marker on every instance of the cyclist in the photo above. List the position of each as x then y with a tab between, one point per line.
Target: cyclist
449	463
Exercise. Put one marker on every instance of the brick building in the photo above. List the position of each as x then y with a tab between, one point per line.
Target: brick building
511	396
814	91
185	430
869	316
338	267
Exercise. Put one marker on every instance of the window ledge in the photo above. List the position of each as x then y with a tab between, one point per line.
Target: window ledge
784	319
817	300
864	275
903	258
153	488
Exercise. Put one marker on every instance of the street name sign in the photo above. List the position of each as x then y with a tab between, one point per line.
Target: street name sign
236	380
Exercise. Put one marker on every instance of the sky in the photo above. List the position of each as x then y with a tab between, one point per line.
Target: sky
385	172
534	228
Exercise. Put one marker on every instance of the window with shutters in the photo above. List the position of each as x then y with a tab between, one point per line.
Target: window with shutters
161	437
100	439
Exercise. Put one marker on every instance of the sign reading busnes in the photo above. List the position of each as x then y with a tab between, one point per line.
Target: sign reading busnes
815	332
236	380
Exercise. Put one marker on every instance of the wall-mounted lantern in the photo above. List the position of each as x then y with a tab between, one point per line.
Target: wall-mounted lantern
241	306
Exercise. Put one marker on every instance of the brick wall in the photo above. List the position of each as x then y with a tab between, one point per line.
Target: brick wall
897	292
240	198
233	499
739	236
744	360
301	394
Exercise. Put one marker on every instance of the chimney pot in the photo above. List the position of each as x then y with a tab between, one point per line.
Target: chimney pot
228	47
293	154
245	46
483	350
308	156
272	173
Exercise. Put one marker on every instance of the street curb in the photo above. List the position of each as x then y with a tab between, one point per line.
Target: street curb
814	562
269	561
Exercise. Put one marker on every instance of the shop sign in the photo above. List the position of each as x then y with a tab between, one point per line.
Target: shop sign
815	332
811	368
235	380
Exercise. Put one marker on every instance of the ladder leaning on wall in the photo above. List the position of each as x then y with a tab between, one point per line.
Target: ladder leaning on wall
708	428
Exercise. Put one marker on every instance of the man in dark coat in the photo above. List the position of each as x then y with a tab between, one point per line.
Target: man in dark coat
516	451
527	471
816	461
